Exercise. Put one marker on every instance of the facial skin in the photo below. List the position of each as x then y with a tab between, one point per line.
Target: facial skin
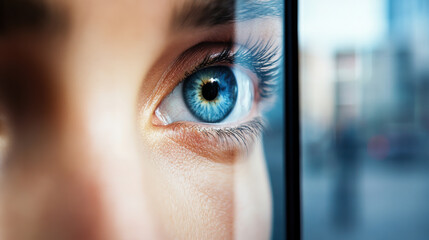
83	154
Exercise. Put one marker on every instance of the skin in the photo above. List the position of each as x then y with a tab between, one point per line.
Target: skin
83	156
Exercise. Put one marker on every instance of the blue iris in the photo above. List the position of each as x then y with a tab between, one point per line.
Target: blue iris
211	93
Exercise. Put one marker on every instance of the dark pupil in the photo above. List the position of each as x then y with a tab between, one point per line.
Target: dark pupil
210	90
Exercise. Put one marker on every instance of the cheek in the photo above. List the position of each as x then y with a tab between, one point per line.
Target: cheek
195	195
199	198
49	205
252	197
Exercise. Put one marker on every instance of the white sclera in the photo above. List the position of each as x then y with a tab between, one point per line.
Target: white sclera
173	108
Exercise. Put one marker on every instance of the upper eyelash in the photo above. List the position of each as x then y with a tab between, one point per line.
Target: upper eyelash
260	57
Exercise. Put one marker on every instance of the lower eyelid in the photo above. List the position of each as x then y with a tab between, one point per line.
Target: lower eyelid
213	141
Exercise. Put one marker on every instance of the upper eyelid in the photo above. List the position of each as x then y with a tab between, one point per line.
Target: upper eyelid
202	52
264	52
211	59
198	51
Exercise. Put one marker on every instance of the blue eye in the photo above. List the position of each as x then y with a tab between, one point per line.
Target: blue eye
211	93
216	94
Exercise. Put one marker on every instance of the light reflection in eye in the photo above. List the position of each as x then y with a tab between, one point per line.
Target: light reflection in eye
216	94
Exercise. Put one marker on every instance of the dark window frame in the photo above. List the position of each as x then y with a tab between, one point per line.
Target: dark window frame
292	130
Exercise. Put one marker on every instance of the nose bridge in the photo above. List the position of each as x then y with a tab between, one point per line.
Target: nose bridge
98	175
99	137
100	152
88	177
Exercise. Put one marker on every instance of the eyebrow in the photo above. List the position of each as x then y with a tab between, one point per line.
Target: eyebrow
28	15
209	13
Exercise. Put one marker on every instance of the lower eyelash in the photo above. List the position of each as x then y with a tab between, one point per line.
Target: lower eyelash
226	138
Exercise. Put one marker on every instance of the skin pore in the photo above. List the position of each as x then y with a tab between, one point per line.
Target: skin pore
83	156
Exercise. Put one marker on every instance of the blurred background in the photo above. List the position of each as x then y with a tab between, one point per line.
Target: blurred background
364	79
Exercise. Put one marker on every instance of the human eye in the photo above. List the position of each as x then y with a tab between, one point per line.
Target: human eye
221	98
215	94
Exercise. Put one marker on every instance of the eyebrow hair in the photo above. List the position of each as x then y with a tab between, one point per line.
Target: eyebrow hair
28	15
17	14
209	13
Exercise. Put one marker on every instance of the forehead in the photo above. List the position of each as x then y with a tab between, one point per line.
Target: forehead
96	34
176	13
115	17
72	14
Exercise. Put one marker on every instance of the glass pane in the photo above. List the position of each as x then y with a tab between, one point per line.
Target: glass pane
364	116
